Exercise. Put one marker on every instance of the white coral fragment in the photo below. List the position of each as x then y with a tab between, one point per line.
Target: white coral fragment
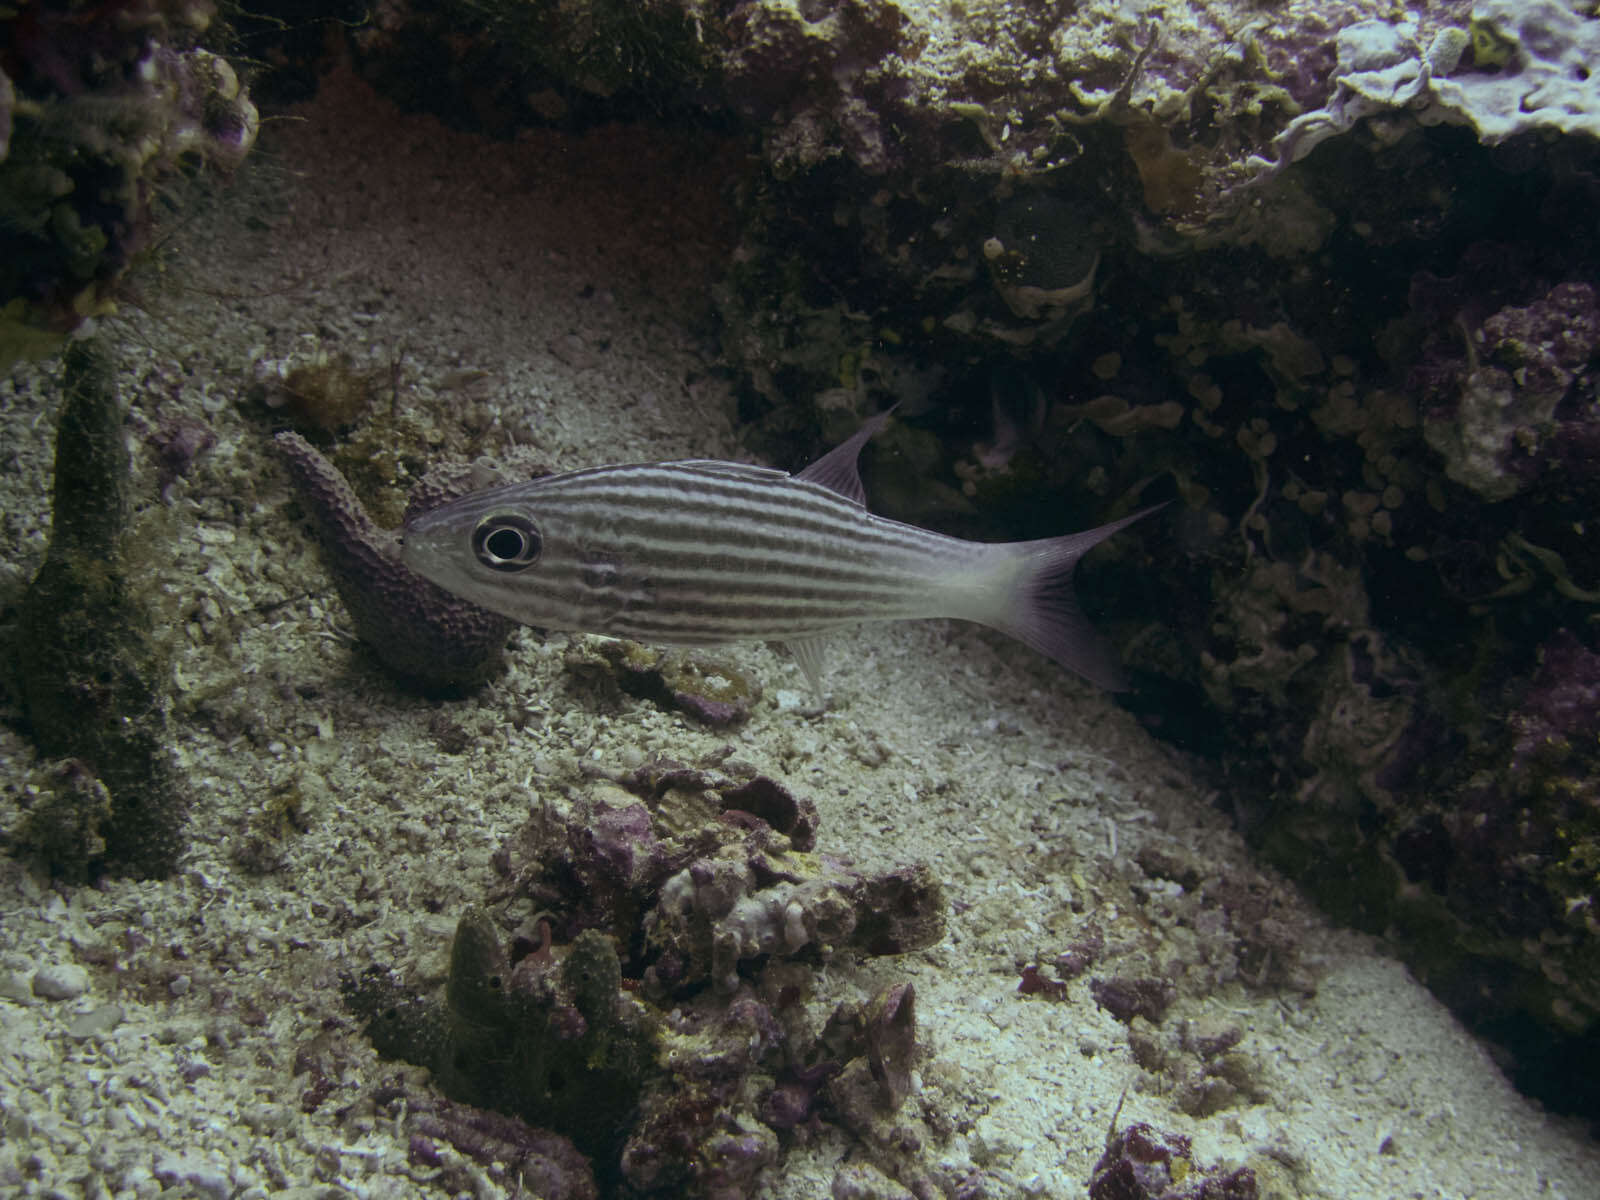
1542	78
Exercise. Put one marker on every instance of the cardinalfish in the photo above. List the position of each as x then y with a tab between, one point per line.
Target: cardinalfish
703	552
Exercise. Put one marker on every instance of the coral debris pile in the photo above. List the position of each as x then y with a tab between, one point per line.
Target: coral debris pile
639	987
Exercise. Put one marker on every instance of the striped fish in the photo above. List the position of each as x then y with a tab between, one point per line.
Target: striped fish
702	552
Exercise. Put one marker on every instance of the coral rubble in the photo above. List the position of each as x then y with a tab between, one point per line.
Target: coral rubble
713	693
1143	1163
637	988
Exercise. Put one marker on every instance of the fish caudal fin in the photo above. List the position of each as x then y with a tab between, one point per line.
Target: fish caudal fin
1043	612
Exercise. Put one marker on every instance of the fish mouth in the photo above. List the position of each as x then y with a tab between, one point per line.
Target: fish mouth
421	523
419	542
411	555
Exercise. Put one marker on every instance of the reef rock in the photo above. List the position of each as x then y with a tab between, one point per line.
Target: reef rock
635	989
98	118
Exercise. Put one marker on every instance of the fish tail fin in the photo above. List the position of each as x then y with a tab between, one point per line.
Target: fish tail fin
1042	611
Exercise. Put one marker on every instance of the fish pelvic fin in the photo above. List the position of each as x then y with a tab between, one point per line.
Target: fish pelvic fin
1041	609
810	653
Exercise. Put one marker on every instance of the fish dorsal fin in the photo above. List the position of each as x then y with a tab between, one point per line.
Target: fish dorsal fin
836	470
748	472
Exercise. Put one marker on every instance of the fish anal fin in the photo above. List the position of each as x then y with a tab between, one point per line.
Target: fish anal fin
837	470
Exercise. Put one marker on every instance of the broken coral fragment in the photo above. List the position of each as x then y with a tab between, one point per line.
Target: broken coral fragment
708	690
1144	1163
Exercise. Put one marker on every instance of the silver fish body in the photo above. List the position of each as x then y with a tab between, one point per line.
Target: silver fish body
702	552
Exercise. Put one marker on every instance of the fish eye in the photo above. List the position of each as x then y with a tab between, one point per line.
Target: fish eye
506	542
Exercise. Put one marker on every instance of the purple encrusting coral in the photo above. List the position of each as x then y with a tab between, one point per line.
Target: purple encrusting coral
705	917
416	629
512	1152
1549	340
1144	1163
1126	998
1502	817
1496	385
178	443
1560	715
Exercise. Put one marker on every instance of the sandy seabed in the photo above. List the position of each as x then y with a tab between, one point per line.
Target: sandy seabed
536	289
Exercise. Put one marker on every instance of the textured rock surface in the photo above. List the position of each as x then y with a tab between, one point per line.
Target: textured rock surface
100	116
598	1021
93	653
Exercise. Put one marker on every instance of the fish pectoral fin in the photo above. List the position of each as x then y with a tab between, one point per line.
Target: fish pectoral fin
809	653
837	470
